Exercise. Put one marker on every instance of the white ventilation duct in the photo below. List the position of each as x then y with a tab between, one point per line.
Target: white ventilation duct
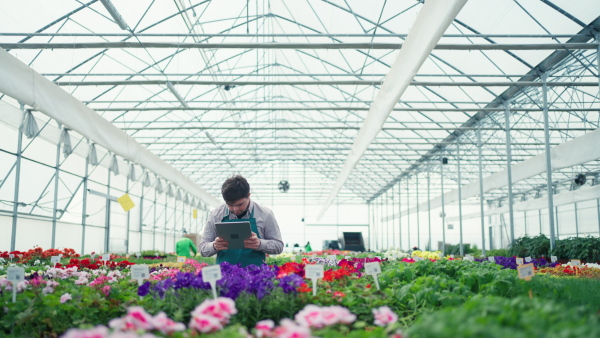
22	83
432	21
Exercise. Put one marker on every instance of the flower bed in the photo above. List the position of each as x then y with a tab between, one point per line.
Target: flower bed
275	300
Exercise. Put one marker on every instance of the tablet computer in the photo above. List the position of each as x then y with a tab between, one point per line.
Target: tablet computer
234	233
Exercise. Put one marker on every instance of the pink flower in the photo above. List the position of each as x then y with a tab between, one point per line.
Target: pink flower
136	318
97	332
205	323
166	325
82	281
64	298
384	316
221	308
106	290
47	290
288	329
21	286
310	316
264	327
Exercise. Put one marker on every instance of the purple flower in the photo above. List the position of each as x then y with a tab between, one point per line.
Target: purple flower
290	282
162	287
144	289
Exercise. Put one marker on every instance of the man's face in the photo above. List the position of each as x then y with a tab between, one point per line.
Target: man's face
240	206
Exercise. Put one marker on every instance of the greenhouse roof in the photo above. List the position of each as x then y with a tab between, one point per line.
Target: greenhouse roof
278	90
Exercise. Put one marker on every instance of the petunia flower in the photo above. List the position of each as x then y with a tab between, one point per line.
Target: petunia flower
65	297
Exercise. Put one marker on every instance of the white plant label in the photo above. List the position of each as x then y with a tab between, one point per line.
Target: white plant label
314	271
348	258
492	259
54	260
127	256
137	254
181	259
11	256
519	261
372	268
526	271
15	275
140	271
60	255
93	256
553	259
293	258
451	256
106	257
211	273
332	258
527	259
575	262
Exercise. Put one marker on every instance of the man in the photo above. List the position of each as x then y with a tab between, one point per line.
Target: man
184	246
265	239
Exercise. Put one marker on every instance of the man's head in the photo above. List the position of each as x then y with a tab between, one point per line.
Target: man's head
236	193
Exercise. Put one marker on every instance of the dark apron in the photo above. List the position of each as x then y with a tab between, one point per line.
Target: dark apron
244	257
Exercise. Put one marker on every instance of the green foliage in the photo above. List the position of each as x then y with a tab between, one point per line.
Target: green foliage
534	247
500	317
497	252
586	248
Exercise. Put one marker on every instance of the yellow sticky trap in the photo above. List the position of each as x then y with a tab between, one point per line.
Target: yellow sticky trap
195	213
126	202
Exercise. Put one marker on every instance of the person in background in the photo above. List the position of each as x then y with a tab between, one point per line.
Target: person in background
266	236
184	246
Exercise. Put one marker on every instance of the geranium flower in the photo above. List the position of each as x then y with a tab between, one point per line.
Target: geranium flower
165	324
205	323
310	316
264	327
288	329
384	316
221	308
135	319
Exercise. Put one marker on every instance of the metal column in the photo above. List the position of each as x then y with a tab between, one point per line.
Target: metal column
55	204
13	235
387	222
165	226
598	209
400	214
408	213
443	209
576	222
429	207
418	219
141	225
84	203
369	217
107	218
393	227
128	218
460	219
511	216
155	221
548	159
525	221
481	194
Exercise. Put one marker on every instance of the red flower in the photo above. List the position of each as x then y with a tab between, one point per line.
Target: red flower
304	288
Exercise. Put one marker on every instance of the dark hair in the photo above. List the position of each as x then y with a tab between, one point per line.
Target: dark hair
234	189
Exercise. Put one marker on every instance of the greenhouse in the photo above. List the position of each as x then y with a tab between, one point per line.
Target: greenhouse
417	168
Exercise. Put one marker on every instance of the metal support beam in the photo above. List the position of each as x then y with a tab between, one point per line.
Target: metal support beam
429	208
84	203
460	215
141	214
400	214
289	45
333	108
443	209
576	221
481	193
408	213
55	201
548	161
15	215
128	221
518	84
418	218
511	215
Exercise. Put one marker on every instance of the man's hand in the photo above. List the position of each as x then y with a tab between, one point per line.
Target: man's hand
220	244
253	242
